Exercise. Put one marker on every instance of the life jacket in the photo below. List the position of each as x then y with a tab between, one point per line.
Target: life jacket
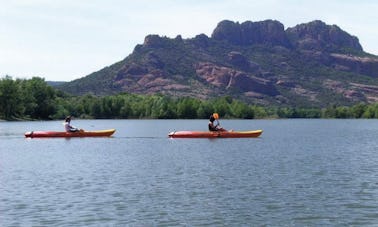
212	127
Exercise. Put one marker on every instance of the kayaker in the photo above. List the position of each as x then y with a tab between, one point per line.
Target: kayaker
68	126
214	127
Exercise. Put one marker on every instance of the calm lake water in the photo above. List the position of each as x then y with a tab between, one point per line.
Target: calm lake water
298	173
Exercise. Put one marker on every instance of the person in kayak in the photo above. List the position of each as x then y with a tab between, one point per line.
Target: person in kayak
214	127
68	126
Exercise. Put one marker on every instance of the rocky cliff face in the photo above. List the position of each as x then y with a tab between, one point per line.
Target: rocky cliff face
228	78
312	64
250	33
349	63
315	35
319	36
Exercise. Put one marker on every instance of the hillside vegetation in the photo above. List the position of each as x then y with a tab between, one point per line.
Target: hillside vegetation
34	99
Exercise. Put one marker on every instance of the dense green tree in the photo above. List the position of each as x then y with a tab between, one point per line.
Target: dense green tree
371	111
259	112
358	110
204	110
222	106
241	110
40	98
10	98
187	108
96	110
34	99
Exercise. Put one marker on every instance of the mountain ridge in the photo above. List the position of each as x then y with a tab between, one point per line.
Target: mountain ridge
311	64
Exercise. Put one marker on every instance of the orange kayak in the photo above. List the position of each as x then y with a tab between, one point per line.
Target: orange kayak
98	133
218	134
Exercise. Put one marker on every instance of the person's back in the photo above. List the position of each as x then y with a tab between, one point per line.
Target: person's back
68	127
211	125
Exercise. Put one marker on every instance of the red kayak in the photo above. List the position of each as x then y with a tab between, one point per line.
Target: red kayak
98	133
217	134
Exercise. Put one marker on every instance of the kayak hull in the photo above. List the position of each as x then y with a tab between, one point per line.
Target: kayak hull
50	134
217	134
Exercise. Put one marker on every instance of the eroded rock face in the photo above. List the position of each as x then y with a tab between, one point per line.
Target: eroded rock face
228	78
361	65
150	83
353	91
240	61
248	33
153	41
317	35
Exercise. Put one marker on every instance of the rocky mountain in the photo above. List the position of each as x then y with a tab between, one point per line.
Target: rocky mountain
311	64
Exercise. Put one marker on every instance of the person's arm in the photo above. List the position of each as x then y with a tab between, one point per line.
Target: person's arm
72	128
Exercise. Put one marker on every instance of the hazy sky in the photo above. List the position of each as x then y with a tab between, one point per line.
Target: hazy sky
63	40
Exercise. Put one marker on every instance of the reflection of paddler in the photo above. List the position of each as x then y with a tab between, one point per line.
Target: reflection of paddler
212	126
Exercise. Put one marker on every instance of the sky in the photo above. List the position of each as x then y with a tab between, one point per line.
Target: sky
63	40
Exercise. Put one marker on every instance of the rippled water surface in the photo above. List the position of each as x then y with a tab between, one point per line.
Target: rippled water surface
298	173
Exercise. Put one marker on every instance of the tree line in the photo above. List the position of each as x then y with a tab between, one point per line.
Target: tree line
29	99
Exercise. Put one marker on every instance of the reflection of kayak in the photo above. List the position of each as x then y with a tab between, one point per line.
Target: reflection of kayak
33	134
218	134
